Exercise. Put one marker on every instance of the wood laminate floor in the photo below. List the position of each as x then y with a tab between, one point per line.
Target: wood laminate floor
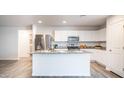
99	71
23	69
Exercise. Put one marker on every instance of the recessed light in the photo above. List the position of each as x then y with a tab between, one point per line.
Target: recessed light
64	22
39	21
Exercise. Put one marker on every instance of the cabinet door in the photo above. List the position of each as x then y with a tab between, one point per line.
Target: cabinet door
88	35
100	57
116	63
102	35
84	35
63	35
60	36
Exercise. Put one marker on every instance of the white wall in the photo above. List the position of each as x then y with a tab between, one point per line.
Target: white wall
9	42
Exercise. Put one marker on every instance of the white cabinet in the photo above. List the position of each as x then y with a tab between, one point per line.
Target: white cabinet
88	35
116	63
102	34
115	46
63	35
99	56
99	35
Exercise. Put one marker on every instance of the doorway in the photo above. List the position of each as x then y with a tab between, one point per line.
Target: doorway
24	43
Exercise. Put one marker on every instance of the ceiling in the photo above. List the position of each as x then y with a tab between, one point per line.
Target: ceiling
53	20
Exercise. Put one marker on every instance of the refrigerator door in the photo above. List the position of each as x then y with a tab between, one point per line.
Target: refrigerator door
39	42
48	41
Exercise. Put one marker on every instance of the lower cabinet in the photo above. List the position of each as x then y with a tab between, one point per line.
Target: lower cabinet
98	55
116	63
113	61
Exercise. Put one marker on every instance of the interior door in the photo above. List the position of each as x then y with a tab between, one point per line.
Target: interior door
115	48
24	43
116	37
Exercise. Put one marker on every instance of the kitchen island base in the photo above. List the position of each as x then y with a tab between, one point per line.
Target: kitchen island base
54	64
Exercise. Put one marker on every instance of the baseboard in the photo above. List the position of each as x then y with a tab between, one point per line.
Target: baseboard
9	58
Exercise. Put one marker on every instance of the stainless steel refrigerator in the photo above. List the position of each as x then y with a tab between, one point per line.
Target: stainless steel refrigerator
43	42
48	41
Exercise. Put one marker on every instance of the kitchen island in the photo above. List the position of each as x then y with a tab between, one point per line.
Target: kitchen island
60	63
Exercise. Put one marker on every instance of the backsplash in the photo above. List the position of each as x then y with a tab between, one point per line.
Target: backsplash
63	44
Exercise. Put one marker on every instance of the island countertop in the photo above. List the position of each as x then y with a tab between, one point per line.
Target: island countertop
61	52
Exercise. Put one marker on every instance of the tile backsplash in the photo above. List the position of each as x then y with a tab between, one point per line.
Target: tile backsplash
63	44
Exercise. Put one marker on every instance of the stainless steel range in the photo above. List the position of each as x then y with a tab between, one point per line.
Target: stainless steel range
73	42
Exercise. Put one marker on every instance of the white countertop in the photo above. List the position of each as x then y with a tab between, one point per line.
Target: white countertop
60	52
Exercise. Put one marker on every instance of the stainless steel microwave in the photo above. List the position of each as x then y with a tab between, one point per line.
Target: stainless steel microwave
73	38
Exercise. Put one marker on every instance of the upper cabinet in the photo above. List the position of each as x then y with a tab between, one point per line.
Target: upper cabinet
63	35
87	35
102	34
98	35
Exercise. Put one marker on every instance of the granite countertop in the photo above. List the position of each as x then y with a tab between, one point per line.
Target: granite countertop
104	49
60	52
